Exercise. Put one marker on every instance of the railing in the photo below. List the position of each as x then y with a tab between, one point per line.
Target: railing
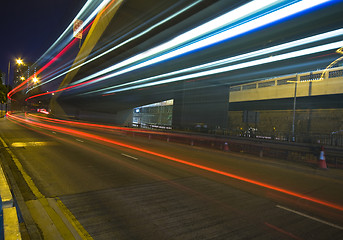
278	146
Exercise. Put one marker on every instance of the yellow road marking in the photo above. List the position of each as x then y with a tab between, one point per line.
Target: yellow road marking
71	218
60	225
31	144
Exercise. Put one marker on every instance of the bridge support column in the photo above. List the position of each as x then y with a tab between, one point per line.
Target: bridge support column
202	108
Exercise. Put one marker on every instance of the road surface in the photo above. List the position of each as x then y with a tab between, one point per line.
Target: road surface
93	183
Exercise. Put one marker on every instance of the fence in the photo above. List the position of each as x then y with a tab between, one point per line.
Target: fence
306	153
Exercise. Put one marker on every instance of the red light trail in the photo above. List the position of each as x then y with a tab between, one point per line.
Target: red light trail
18	88
198	166
61	53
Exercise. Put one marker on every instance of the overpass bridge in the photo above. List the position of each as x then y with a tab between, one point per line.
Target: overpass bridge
309	84
302	104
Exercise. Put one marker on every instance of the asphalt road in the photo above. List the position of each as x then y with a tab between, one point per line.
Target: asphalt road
149	189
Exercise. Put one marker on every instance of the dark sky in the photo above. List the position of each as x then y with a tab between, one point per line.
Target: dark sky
29	27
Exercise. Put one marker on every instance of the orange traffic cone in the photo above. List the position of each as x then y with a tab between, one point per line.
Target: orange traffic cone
226	147
322	162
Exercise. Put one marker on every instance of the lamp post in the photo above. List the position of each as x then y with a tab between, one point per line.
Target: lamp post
322	77
294	107
19	62
294	104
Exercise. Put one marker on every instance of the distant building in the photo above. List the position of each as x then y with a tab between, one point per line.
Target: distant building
22	72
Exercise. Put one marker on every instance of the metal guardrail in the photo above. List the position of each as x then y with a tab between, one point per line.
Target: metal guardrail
305	153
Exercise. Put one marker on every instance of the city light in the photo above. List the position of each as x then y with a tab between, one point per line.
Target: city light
35	79
19	61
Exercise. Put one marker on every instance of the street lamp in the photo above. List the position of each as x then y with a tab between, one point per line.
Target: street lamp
19	62
294	106
35	79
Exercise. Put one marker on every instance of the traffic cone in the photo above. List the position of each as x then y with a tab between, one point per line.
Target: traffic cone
322	162
226	147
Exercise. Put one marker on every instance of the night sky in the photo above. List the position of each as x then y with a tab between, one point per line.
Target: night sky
28	28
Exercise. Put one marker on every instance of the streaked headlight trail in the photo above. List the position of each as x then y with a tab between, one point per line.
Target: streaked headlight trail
249	17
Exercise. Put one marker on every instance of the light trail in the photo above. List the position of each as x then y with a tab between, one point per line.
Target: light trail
106	127
238	30
67	34
122	44
61	53
93	137
213	39
100	8
278	48
197	32
271	59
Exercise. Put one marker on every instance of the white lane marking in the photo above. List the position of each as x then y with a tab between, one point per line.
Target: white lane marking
310	217
129	156
54	132
78	140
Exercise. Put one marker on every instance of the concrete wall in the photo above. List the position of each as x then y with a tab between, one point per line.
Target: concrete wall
307	121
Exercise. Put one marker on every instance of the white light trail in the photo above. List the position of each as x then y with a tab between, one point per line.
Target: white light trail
224	20
297	43
123	43
233	15
280	57
67	34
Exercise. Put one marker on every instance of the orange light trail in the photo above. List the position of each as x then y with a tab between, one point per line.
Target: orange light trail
202	167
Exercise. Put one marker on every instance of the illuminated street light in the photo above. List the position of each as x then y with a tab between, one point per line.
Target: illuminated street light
35	79
22	78
19	61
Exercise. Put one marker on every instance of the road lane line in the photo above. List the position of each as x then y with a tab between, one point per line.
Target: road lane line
79	140
310	217
129	156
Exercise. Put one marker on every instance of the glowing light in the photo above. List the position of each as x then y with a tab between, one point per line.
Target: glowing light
123	43
223	35
238	66
224	20
19	61
245	56
181	161
208	27
35	79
